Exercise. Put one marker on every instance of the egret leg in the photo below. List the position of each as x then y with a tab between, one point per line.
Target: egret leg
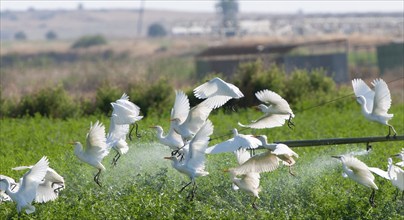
290	171
290	123
192	192
135	125
97	178
116	158
13	185
60	186
396	194
254	205
372	198
185	186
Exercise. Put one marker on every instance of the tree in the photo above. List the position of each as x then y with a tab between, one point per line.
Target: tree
20	35
156	30
50	35
228	10
89	41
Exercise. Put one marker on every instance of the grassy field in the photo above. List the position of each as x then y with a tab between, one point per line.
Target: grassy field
144	186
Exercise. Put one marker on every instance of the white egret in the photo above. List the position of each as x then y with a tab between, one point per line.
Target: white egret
116	139
275	114
236	142
394	174
374	103
13	185
195	119
358	172
401	157
217	92
49	188
282	151
248	182
126	112
96	149
180	110
193	164
28	186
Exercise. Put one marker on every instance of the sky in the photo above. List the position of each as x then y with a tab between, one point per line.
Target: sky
285	6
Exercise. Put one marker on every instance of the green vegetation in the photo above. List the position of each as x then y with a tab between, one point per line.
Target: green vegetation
89	41
144	186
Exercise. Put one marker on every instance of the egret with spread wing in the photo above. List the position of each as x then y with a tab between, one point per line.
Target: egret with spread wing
217	92
394	174
29	183
96	149
236	142
275	113
374	103
358	172
193	164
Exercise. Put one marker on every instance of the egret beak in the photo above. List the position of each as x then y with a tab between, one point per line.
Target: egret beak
338	157
226	170
395	155
152	126
72	143
256	107
168	158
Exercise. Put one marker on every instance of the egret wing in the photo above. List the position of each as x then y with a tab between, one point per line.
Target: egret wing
273	98
361	89
197	117
125	112
282	149
217	87
379	172
264	162
242	155
181	107
96	141
198	145
359	168
267	121
33	178
252	179
382	98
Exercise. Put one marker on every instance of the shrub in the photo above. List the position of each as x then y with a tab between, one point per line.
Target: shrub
51	35
20	35
89	41
49	102
156	30
105	95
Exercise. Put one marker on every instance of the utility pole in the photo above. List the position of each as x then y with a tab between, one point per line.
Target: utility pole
140	20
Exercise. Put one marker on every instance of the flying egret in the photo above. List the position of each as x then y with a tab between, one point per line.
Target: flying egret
116	139
236	142
96	148
195	119
400	156
193	164
275	114
248	182
282	151
13	185
358	172
126	112
28	186
374	103
217	92
49	188
180	110
394	174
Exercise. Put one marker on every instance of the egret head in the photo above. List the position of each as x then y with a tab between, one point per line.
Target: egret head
262	107
339	157
263	138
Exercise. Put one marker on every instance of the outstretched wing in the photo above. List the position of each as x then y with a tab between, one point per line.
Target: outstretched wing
181	107
197	146
218	92
33	178
382	98
379	172
270	97
125	111
235	143
267	121
264	162
96	141
361	89
242	155
197	117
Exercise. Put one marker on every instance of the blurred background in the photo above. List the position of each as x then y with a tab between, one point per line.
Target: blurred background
88	50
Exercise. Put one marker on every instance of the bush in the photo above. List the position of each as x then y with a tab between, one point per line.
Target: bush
89	41
50	35
20	36
105	95
156	30
49	102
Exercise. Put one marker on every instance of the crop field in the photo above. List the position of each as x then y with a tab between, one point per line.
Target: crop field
144	186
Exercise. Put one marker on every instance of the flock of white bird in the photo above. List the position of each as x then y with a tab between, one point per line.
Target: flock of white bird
188	138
